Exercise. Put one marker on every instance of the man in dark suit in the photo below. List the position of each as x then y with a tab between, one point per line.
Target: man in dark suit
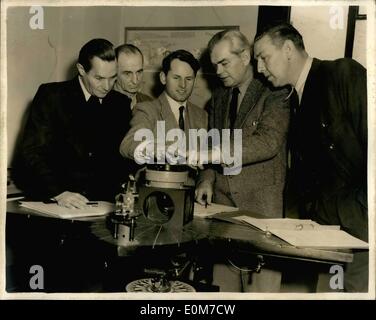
130	73
262	114
328	137
69	150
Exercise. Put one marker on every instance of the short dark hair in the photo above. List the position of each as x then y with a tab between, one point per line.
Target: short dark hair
101	48
238	41
182	55
279	32
128	48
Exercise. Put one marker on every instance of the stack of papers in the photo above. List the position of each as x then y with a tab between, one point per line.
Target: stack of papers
284	224
211	209
306	233
54	210
322	239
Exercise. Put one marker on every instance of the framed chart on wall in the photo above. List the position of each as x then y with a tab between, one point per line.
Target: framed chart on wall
156	42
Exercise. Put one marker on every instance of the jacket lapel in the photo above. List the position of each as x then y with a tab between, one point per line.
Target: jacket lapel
75	95
166	113
192	119
250	99
311	83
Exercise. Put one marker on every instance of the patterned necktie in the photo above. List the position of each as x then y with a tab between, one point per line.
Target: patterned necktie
233	106
181	118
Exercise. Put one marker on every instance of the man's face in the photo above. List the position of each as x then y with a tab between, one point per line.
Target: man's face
130	72
179	80
272	61
231	68
100	79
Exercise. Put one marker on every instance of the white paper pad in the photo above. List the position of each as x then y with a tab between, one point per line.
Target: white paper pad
306	233
54	210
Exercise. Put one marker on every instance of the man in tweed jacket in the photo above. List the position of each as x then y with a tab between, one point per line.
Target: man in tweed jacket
263	116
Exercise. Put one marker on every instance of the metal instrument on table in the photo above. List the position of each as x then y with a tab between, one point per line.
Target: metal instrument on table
124	217
160	204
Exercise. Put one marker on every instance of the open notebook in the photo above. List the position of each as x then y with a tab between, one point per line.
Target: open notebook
306	233
54	210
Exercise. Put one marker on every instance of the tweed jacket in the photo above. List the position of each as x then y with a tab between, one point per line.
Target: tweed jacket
263	117
141	97
146	115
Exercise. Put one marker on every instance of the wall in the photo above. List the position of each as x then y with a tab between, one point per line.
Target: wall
321	39
360	40
39	56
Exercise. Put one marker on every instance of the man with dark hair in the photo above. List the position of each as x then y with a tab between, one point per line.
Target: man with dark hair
130	73
70	153
328	176
69	150
178	74
262	114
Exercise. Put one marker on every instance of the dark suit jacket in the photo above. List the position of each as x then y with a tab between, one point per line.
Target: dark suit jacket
263	117
71	146
330	167
146	115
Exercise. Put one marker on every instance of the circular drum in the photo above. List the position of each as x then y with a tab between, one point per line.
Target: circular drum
166	176
147	285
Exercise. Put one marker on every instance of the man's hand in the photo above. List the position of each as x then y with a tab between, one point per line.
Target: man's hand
204	193
71	200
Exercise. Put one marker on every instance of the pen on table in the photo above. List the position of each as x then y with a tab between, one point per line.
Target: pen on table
90	203
205	198
206	201
50	201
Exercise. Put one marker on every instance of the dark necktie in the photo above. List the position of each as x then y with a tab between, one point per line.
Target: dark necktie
233	106
181	118
293	132
94	102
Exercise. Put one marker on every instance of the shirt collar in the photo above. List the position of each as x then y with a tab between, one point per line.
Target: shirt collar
84	90
175	105
299	86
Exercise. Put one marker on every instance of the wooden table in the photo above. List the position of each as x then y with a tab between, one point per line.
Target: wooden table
214	230
200	233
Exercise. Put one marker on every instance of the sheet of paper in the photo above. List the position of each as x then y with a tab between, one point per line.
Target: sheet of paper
284	224
212	209
306	233
54	210
321	239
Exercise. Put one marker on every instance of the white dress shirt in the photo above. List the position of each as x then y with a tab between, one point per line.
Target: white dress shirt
299	86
